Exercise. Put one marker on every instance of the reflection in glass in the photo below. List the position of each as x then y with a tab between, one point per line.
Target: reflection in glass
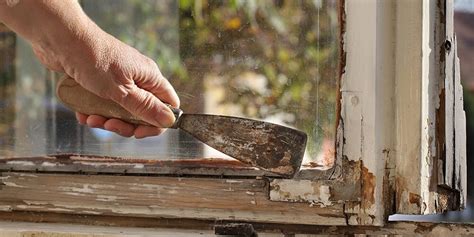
274	60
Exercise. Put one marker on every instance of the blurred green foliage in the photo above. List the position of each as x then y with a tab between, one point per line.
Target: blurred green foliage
293	44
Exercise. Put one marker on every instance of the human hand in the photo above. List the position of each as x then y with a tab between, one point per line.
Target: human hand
66	40
113	70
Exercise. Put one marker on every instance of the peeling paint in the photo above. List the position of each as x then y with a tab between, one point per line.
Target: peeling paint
11	184
50	164
250	193
85	189
18	162
300	191
368	188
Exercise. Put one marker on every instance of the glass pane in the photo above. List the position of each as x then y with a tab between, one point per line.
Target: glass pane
273	60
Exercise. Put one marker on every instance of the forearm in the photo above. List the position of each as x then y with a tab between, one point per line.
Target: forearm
66	40
50	25
41	20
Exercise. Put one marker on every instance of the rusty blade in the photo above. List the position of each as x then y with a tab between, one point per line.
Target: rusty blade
268	146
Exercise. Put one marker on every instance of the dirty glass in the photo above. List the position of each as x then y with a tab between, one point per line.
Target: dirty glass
273	60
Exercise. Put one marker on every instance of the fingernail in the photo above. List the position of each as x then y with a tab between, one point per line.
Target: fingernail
166	118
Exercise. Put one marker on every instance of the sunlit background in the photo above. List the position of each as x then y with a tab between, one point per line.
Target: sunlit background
274	60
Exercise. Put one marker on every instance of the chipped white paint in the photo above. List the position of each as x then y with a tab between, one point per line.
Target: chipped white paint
74	194
100	164
153	187
300	191
233	181
12	184
195	198
460	136
367	89
84	189
50	164
420	79
250	193
23	163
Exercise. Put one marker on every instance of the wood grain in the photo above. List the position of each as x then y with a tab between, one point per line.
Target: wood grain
169	197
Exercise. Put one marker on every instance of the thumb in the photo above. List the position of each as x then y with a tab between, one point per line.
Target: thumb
148	107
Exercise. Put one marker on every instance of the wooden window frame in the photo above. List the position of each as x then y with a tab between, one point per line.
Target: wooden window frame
400	145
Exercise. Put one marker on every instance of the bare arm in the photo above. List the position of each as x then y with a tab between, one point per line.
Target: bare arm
66	40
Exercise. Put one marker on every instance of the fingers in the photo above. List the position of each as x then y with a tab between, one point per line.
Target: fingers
81	118
153	81
95	121
118	126
147	106
148	131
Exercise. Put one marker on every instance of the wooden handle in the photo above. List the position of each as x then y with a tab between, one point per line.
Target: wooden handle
76	98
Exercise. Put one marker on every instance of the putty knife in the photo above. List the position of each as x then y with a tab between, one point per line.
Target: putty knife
267	146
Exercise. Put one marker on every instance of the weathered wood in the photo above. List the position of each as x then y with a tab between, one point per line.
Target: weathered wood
449	93
425	90
26	229
92	164
460	156
367	107
114	165
346	187
200	198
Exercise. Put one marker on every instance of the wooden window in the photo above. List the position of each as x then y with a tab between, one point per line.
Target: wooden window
390	110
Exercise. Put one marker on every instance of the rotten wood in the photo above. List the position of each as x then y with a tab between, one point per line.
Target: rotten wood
344	188
170	197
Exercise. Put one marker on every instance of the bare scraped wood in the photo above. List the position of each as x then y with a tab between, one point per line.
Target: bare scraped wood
170	197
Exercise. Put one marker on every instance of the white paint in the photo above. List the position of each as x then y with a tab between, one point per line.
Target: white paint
50	164
367	96
20	163
5	208
11	184
250	193
300	191
101	164
153	187
139	166
84	189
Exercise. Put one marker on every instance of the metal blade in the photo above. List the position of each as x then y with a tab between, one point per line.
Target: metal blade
268	146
